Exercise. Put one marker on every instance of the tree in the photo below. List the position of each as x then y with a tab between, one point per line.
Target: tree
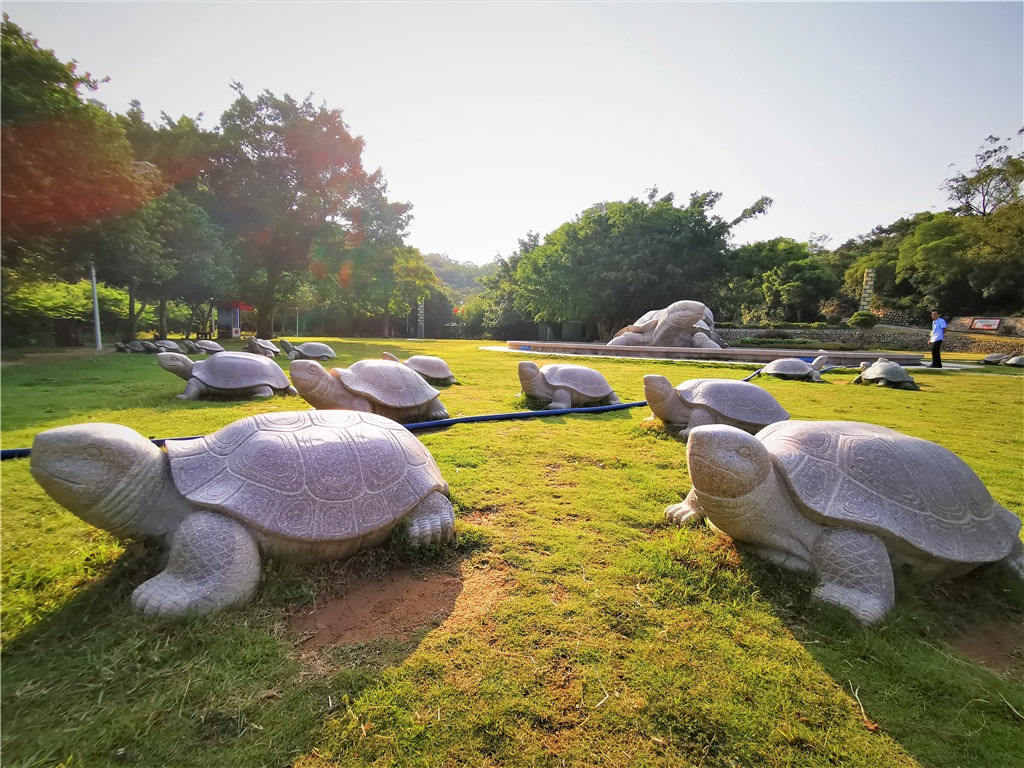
797	288
616	261
287	175
994	181
66	164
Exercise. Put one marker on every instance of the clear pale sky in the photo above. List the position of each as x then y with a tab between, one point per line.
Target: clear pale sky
494	119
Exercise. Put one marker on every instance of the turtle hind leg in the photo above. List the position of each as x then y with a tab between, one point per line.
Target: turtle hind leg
855	573
432	521
214	563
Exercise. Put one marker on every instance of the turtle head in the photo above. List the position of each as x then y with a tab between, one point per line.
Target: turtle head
317	386
819	362
176	363
287	346
93	469
530	378
389	356
726	462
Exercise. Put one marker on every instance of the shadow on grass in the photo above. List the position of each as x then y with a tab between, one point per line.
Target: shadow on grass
909	682
95	681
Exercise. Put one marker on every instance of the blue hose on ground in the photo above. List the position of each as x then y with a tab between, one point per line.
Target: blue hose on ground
21	453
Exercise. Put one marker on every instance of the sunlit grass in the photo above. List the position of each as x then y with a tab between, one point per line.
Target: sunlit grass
617	640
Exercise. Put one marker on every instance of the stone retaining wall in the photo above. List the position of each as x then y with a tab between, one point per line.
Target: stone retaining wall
910	340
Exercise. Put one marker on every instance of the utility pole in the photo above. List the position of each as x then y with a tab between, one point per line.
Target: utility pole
95	308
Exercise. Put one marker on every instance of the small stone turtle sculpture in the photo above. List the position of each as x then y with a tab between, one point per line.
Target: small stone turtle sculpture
302	485
434	370
228	375
375	386
995	358
886	374
697	402
795	369
166	345
1017	361
130	347
308	350
190	347
261	347
149	346
566	386
847	501
207	347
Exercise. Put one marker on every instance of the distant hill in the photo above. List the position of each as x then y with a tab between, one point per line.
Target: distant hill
459	276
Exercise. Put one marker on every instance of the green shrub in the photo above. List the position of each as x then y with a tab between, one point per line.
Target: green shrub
863	320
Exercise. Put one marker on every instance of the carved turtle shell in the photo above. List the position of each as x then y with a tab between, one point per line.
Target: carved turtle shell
387	383
857	475
886	370
427	366
736	400
578	378
788	366
309	350
209	347
308	476
239	370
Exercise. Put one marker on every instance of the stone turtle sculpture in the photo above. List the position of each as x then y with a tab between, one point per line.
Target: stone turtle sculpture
228	375
166	345
995	358
795	369
130	347
376	386
697	402
1017	361
308	350
207	347
885	373
848	502
432	369
296	485
261	347
566	386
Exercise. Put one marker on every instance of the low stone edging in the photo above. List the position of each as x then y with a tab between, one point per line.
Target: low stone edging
911	340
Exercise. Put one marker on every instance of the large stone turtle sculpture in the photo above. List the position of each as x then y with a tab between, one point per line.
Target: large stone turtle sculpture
885	373
434	370
296	485
1017	361
228	375
207	347
308	350
375	386
697	402
566	386
795	369
995	358
847	501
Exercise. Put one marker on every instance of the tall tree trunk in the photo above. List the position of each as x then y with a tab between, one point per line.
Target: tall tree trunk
162	318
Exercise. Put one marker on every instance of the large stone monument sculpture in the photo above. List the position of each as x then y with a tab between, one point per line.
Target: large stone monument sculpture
299	485
848	502
227	375
697	402
682	324
375	386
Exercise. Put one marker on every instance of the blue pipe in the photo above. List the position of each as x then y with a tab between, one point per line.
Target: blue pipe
21	453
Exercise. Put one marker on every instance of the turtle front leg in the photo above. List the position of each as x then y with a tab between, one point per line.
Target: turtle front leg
699	417
686	512
194	390
562	399
433	520
214	563
855	573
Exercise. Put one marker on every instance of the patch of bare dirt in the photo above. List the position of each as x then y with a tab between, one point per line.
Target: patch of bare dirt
997	645
395	605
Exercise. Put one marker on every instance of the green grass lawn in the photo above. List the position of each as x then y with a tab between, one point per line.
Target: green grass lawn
607	637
